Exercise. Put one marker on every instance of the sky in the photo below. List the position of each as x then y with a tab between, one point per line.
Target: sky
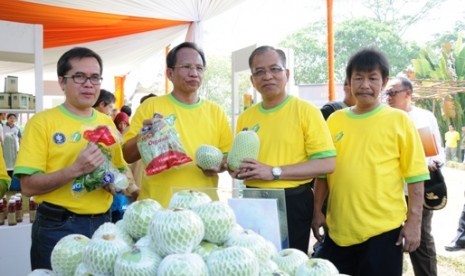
269	21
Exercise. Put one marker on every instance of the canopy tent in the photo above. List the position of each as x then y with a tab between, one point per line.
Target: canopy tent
125	33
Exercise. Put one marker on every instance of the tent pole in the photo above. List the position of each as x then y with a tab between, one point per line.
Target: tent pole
329	20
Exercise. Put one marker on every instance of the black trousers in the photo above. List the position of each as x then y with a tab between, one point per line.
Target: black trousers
299	208
460	237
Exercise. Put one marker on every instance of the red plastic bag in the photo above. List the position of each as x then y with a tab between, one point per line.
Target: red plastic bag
160	147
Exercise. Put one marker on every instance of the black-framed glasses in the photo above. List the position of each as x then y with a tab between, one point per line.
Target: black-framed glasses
189	67
392	93
80	78
274	70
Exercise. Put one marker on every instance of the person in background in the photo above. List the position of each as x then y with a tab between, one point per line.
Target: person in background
2	118
399	95
105	102
5	179
146	97
330	107
378	148
11	140
54	154
462	145
122	122
197	122
295	145
126	109
451	138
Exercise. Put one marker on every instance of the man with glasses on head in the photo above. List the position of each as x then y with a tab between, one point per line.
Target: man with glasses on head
54	153
197	122
399	95
295	145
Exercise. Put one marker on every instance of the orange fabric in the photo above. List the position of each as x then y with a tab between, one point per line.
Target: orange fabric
64	26
119	91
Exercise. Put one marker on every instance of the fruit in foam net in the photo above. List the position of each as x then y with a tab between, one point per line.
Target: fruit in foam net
137	217
182	264
137	261
208	157
246	145
233	260
175	231
188	199
218	219
101	252
317	267
289	259
252	241
111	228
67	254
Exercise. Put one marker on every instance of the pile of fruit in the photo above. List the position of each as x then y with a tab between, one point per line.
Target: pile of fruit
193	236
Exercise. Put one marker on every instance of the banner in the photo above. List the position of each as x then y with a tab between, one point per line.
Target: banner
119	91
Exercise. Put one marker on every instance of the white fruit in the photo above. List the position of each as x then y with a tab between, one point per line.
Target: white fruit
208	157
41	272
204	249
82	270
234	260
218	219
252	241
137	261
188	199
67	254
145	241
138	215
110	228
175	231
317	267
246	145
182	265
100	254
268	268
289	259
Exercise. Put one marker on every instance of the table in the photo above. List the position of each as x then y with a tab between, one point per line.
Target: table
16	244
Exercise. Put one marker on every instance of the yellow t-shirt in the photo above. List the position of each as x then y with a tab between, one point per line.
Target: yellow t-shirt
451	138
5	179
197	124
290	133
376	152
52	140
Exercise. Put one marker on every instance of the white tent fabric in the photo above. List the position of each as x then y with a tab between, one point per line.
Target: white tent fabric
124	54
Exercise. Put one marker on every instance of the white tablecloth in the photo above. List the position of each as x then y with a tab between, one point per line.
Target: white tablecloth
15	242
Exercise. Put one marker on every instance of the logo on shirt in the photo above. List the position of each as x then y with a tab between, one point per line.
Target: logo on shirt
76	137
338	136
59	138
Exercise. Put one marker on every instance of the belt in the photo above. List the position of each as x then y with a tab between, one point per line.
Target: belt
58	213
292	191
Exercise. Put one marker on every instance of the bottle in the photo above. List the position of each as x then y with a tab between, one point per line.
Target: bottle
5	203
2	213
32	210
19	209
12	212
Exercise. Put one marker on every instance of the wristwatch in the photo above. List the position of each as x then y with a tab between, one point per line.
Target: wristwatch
276	172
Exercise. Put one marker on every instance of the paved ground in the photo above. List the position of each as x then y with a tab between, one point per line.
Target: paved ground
445	221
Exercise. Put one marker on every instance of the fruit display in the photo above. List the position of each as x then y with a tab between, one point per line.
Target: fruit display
174	241
188	199
208	157
246	145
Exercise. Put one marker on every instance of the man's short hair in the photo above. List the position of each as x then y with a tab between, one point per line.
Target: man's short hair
367	59
63	64
263	49
171	58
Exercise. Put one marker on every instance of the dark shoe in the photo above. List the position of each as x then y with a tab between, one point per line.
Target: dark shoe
454	247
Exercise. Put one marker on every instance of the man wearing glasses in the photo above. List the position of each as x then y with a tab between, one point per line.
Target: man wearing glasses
295	144
399	95
197	122
54	154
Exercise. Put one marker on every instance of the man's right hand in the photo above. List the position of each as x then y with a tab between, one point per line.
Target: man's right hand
89	159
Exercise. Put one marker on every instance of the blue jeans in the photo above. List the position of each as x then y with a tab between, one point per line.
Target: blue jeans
47	231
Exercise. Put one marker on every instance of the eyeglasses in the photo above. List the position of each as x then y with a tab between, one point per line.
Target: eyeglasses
188	67
274	70
392	93
81	78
